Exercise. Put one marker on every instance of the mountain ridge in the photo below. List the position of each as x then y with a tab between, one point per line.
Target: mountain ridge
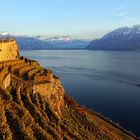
125	38
42	42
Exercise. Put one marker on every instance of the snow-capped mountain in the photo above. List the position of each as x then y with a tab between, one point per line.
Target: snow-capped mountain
26	42
46	42
125	38
4	34
64	42
55	38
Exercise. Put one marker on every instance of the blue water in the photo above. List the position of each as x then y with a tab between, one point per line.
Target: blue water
101	80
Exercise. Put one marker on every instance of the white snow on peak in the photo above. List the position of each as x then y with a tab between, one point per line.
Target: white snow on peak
123	32
4	33
54	38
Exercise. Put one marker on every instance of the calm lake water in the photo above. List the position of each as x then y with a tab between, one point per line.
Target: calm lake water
101	80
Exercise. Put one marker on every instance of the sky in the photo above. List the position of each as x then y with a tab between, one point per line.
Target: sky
85	19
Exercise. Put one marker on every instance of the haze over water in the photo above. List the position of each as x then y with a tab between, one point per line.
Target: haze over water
101	80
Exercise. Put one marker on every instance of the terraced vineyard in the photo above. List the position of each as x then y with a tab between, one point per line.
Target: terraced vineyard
29	115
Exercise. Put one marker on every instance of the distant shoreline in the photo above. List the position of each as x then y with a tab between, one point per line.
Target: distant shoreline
82	49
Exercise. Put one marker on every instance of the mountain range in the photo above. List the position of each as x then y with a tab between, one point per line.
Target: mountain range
42	42
125	38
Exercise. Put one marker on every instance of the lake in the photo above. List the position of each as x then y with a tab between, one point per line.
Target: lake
101	80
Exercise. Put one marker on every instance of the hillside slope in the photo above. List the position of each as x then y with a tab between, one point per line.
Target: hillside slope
124	38
33	107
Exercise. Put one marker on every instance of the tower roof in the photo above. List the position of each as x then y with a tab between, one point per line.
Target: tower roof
5	40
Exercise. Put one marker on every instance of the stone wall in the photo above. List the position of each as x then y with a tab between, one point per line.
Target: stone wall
7	80
54	94
47	78
8	50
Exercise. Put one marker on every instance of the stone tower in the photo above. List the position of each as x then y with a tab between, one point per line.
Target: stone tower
8	49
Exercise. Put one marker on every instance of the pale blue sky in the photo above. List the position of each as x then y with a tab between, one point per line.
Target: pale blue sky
86	19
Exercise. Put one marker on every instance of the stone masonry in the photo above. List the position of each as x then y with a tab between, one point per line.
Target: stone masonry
8	50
